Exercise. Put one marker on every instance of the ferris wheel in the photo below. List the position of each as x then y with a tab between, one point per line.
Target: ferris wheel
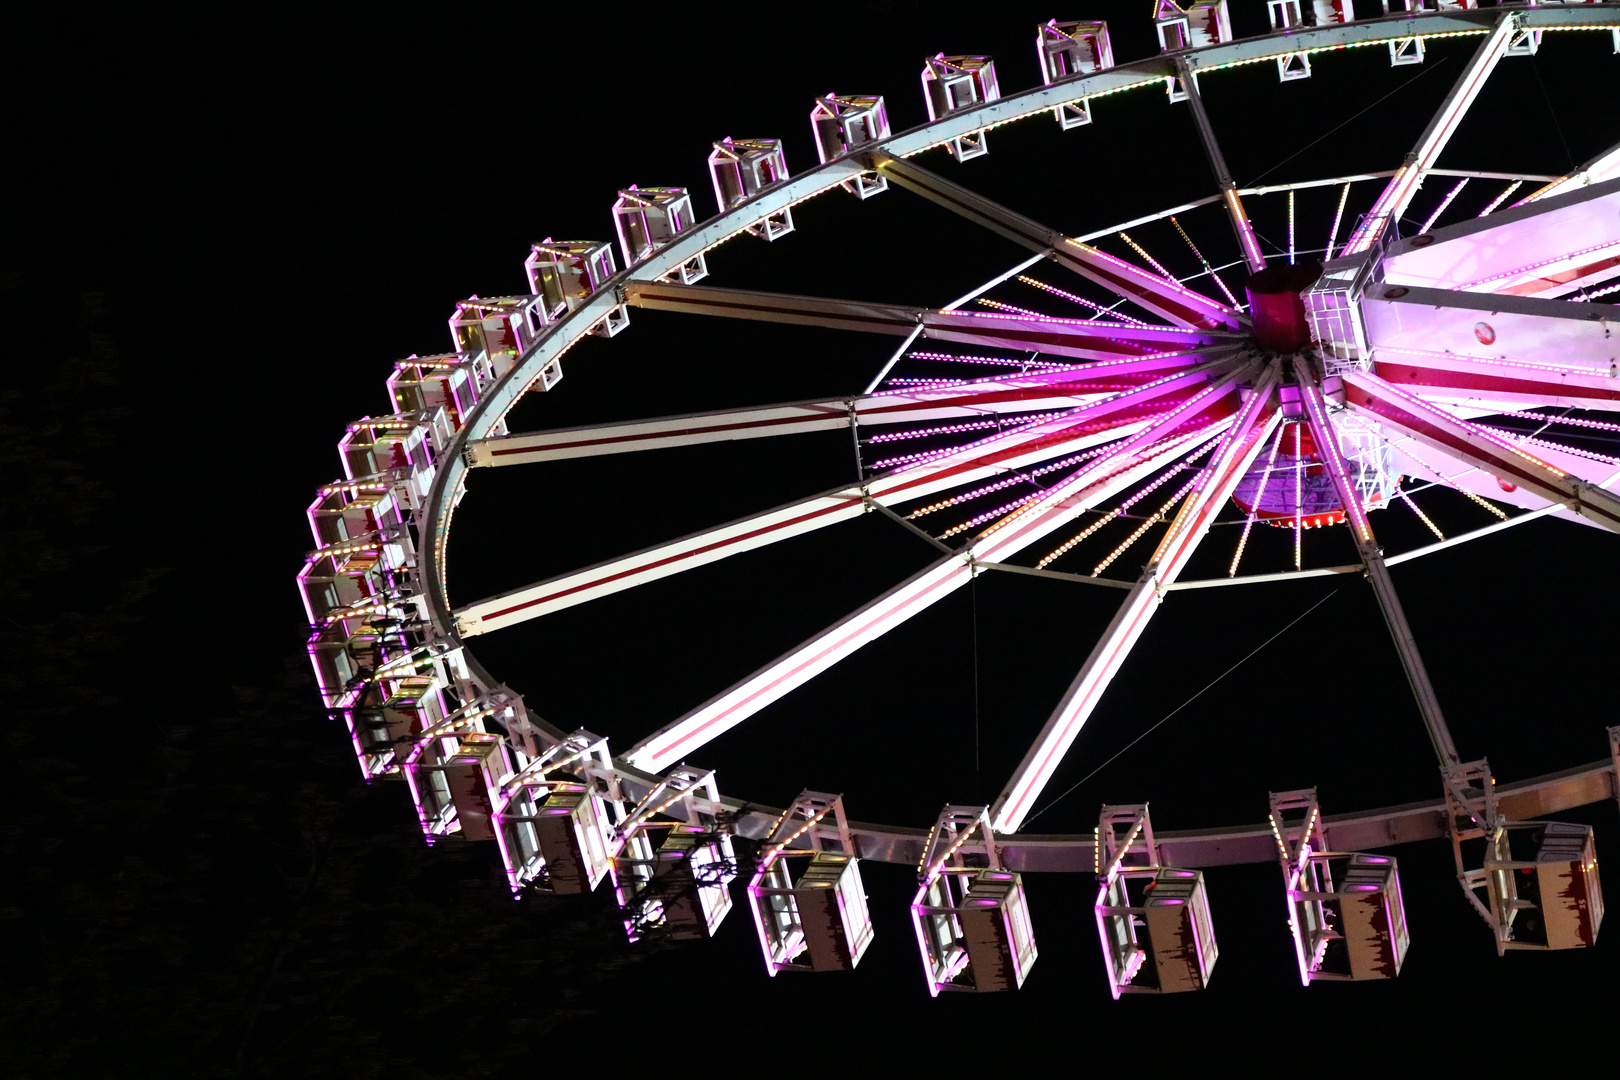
1163	392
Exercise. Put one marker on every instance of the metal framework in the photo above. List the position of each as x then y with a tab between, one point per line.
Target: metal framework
1474	355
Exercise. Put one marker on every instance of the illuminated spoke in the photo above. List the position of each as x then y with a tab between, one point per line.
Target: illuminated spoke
1126	465
1082	301
1155	518
1299	497
1215	482
1177	303
1397	194
1445	202
1199	255
1507	192
1067	545
1338	218
1259	493
1432	426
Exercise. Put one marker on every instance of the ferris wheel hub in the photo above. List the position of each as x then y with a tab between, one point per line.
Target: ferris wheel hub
1277	305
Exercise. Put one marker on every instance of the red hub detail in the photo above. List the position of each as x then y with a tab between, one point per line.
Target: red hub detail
1276	307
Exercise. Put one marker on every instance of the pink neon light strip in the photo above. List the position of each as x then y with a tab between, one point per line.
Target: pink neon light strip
1009	308
1082	301
1000	361
1445	202
1530	267
1322	432
1259	494
1530	440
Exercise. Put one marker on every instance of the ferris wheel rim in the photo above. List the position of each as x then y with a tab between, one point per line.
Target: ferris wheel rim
448	485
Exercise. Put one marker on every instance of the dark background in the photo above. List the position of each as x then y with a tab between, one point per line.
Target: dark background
218	236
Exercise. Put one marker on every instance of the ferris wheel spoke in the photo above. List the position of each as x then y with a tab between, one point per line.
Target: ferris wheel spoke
1247	242
1557	352
1551	247
1495	384
1397	194
1165	298
1090	339
1000	454
1099	481
1432	426
1029	392
1232	458
1606	166
1417	676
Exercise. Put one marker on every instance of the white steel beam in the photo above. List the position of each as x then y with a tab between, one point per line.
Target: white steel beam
1411	458
1139	456
1248	243
1430	425
1090	339
1606	166
1463	538
1165	298
1083	339
998	455
1259	414
1302	185
1518	346
1494	385
1327	444
1546	248
979	398
1397	194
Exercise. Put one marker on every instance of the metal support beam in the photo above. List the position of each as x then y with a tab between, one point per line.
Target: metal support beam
1247	241
1432	426
1087	339
1100	480
1327	447
1227	465
1163	297
1086	426
980	398
1606	166
1397	194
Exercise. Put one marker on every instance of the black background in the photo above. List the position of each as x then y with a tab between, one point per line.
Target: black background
218	235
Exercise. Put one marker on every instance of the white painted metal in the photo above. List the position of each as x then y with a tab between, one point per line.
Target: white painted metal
1136	458
1403	185
1085	426
1606	166
1372	557
979	398
1432	426
1239	217
1087	339
1242	443
1547	248
1543	345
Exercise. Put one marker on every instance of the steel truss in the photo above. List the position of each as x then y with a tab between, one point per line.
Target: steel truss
1151	410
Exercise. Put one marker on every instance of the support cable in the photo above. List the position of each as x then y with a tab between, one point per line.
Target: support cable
1183	705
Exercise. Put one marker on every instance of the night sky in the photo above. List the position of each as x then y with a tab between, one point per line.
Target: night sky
218	237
